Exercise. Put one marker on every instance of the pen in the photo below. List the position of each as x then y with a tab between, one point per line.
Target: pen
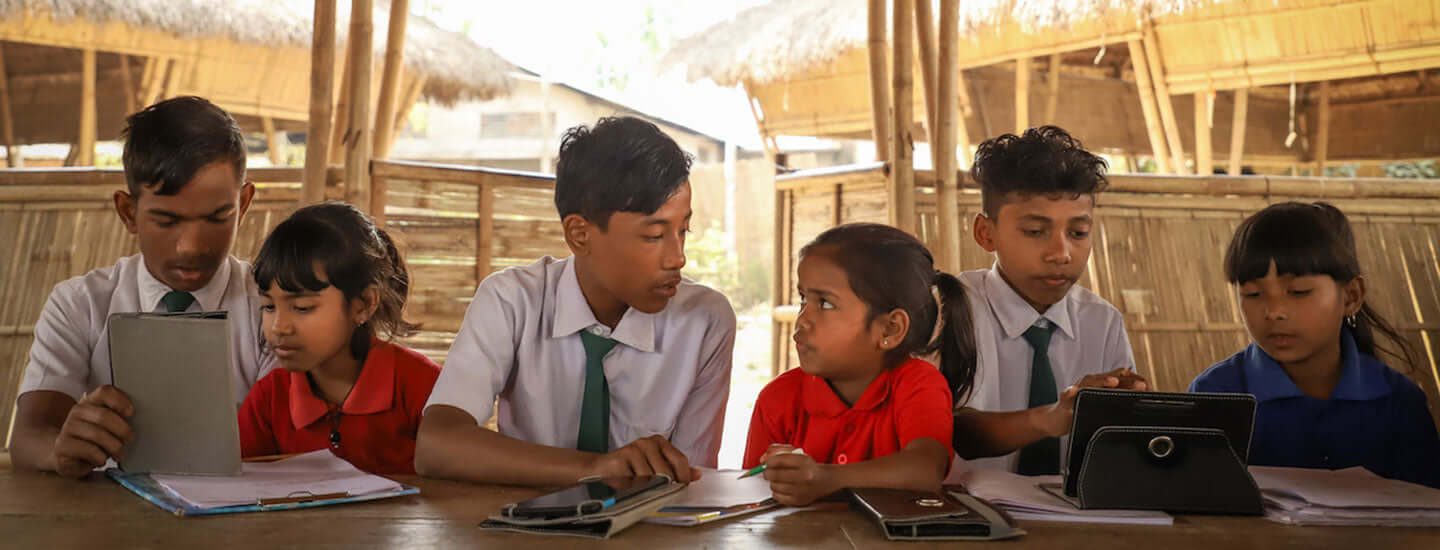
761	468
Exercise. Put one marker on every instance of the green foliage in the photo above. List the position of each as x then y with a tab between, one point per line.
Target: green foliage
709	263
1342	171
1412	170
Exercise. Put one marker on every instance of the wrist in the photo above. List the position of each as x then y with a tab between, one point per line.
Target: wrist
1042	419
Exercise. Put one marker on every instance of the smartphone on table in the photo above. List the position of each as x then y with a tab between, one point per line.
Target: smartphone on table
584	498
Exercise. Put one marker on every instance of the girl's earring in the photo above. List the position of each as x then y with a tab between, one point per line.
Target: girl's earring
1350	321
884	342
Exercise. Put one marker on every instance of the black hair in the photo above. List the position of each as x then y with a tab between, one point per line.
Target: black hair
889	269
1045	160
1309	239
166	143
621	164
353	254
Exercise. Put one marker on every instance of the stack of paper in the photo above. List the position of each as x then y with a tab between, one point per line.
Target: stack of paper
1352	496
311	479
718	494
1022	497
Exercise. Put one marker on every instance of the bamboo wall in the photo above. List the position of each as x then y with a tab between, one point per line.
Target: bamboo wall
1158	255
57	224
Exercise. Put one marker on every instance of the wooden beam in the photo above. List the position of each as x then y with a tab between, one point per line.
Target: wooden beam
407	104
962	131
1237	130
902	173
1052	100
1322	139
13	157
1022	95
274	141
147	72
172	80
127	83
948	124
925	34
390	78
322	81
150	86
1153	129
357	149
1204	159
1162	98
85	155
484	231
879	80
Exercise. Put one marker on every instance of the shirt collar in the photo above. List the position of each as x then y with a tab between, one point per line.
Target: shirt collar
1362	377
573	314
1016	315
820	399
374	390
208	296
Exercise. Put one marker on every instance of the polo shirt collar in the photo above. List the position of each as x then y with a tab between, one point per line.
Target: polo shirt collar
820	399
1362	377
374	390
1016	315
208	296
573	314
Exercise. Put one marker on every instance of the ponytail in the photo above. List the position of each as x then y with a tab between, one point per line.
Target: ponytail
956	340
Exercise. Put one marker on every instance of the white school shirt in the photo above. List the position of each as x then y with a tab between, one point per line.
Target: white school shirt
520	342
1089	338
71	354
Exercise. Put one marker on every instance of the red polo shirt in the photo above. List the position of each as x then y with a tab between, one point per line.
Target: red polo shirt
902	404
377	423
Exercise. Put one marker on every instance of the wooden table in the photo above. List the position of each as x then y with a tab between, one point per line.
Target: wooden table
45	512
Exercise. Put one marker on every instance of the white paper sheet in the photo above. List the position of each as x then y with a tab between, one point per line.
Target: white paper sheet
1352	496
1023	499
721	489
314	473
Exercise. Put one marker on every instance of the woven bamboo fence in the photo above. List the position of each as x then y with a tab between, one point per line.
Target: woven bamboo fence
1158	255
454	225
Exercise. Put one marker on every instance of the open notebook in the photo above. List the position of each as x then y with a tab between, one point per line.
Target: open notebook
1352	496
715	496
1024	499
312	479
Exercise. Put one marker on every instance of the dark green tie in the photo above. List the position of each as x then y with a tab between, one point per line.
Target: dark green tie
1043	456
595	406
176	301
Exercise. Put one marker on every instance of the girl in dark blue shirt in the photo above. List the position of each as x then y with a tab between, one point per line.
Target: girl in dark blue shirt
1325	399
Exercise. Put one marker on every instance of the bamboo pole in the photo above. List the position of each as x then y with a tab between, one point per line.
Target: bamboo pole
152	86
407	104
949	126
1204	159
172	80
13	158
147	72
127	83
1237	130
902	174
1153	129
1052	101
340	133
357	149
86	145
1322	139
1162	98
390	78
1022	95
925	32
879	80
322	80
484	231
274	141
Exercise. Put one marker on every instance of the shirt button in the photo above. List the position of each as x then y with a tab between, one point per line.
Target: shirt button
842	459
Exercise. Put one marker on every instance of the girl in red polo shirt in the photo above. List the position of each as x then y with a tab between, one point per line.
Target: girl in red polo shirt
864	410
329	281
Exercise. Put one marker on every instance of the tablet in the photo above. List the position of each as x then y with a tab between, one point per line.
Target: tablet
1095	408
176	370
585	498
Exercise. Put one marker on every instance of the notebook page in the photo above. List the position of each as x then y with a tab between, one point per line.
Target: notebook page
316	473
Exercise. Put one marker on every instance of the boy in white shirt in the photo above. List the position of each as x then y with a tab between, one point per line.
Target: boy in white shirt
604	363
1036	333
186	195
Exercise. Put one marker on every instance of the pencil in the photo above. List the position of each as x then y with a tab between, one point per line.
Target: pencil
761	468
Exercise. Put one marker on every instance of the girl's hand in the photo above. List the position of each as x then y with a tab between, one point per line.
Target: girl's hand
775	449
796	479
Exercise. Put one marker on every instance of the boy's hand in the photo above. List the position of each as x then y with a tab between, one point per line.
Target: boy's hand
94	430
795	478
1055	419
647	456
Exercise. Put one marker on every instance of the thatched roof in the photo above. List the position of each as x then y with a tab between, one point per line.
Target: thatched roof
765	43
456	68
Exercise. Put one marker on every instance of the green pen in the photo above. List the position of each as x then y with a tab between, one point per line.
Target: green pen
761	468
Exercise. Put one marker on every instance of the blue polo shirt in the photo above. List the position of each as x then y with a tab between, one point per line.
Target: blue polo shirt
1375	417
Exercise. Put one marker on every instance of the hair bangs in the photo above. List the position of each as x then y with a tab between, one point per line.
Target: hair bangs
289	256
1299	239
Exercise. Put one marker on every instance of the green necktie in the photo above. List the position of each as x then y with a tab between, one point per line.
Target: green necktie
176	301
1043	456
595	406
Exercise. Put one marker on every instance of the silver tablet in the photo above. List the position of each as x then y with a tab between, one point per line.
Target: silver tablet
176	370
